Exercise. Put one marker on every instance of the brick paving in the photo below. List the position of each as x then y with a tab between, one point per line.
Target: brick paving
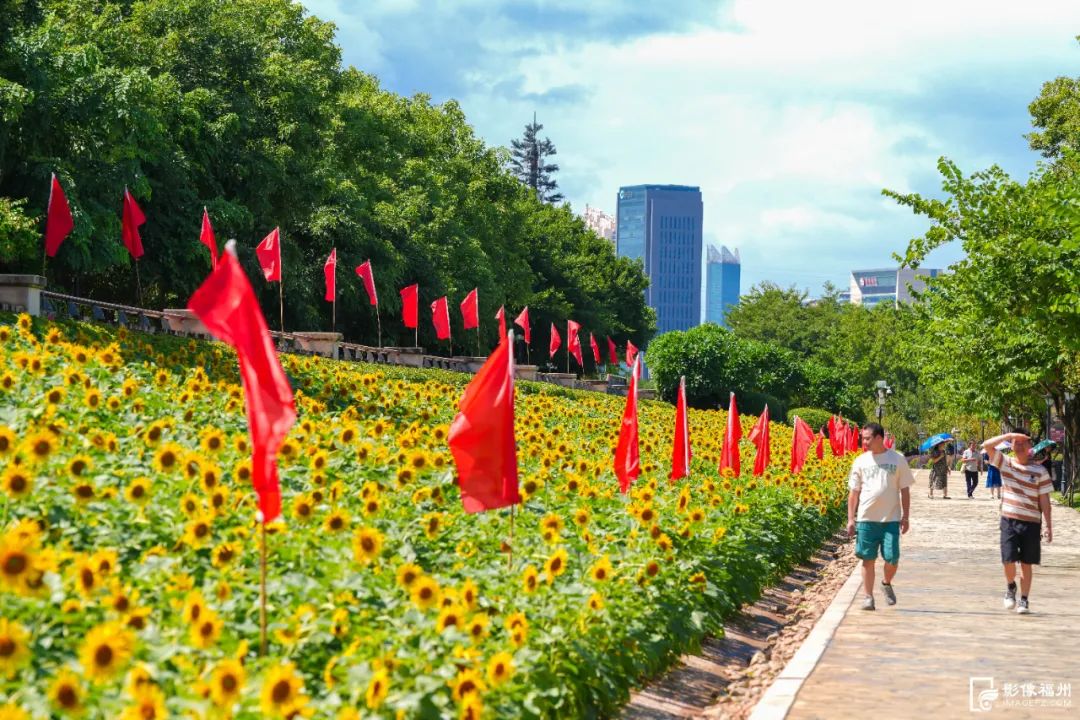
916	659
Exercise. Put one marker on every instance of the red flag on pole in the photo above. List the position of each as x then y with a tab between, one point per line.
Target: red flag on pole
729	453
680	446
410	306
556	341
820	449
58	223
269	254
440	317
573	341
890	441
470	313
206	237
627	455
228	308
759	435
330	273
131	218
481	437
801	440
836	437
613	356
364	271
501	317
855	442
522	321
595	348
631	353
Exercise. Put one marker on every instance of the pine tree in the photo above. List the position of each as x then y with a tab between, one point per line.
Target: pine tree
527	162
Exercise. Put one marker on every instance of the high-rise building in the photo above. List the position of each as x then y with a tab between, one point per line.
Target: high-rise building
722	272
661	225
891	285
600	223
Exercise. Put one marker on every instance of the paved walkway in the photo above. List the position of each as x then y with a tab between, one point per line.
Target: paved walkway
919	658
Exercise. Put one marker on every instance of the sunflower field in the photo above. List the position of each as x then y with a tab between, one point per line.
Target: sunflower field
129	554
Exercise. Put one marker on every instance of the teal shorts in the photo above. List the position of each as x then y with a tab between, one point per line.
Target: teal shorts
872	536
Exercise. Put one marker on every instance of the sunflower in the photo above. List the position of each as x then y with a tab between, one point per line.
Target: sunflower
92	398
227	682
191	505
596	602
54	396
367	545
477	627
555	565
152	435
7	440
336	521
500	668
451	616
121	598
41	445
11	711
66	693
472	708
377	689
17	481
282	692
432	524
529	579
469	594
212	440
17	560
425	592
197	532
194	607
339	623
14	652
223	555
303	508
581	517
149	704
206	630
371	506
467	682
105	651
167	458
209	475
105	561
601	570
408	574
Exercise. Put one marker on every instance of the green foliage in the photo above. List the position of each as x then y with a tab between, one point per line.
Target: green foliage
528	163
244	108
19	239
717	362
814	417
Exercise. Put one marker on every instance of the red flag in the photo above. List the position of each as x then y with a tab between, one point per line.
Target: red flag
440	317
573	341
855	442
612	355
501	317
801	440
410	305
58	223
631	353
627	455
836	436
227	307
482	436
522	321
206	237
330	273
821	444
364	271
470	313
890	441
680	446
729	453
759	435
131	218
595	348
269	254
556	341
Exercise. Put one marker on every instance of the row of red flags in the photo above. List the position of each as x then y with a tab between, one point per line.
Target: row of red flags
59	223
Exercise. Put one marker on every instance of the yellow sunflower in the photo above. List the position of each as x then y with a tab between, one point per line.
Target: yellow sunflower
467	682
198	531
227	682
14	651
41	445
555	565
138	491
451	616
223	555
530	579
17	481
500	668
66	693
407	574
601	570
148	704
336	521
377	689
105	651
282	692
7	440
367	545
168	458
206	630
425	592
17	559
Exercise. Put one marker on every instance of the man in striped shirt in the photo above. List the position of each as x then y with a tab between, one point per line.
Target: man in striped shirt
1025	495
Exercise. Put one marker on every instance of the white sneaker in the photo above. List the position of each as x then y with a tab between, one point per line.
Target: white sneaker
868	602
1022	608
1010	598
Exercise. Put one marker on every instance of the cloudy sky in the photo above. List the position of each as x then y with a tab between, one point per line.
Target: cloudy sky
790	115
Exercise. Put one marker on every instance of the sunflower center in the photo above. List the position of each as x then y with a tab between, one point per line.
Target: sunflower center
138	491
17	483
15	563
103	656
367	544
229	683
7	647
281	691
67	696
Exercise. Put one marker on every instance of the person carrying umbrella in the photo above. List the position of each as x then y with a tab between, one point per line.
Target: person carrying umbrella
939	466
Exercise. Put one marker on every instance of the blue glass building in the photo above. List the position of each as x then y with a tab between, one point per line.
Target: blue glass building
722	274
661	225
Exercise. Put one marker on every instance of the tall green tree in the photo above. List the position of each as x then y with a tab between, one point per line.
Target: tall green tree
528	161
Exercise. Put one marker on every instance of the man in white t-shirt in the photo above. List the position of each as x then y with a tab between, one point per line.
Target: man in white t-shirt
971	459
878	509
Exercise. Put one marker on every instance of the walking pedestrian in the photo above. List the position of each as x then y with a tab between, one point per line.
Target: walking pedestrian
939	471
1026	496
993	478
970	458
879	503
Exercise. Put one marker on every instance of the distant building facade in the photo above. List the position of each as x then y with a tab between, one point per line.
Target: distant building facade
891	285
661	225
600	223
722	275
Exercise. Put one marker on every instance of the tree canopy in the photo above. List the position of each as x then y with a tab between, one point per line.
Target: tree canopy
243	106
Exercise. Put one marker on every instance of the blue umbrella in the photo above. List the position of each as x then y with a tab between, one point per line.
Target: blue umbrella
935	440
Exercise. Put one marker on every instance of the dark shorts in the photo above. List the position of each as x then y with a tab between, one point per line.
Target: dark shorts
872	537
1021	541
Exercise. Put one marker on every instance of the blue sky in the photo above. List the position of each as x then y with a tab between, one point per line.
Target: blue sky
791	116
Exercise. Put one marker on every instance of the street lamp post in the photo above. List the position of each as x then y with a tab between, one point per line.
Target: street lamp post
1067	449
882	389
